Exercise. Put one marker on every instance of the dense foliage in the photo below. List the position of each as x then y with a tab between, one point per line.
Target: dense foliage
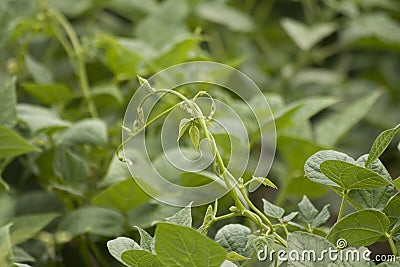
329	70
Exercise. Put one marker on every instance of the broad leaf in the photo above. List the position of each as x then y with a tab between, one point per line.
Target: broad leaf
48	94
305	36
25	227
146	240
309	245
307	249
349	176
372	25
272	210
12	144
361	228
374	197
182	217
234	237
117	172
312	165
233	256
182	246
380	144
184	124
307	210
258	243
39	72
140	258
6	257
70	166
207	221
392	209
21	255
95	220
39	118
334	127
226	15
119	245
122	196
322	217
8	99
88	131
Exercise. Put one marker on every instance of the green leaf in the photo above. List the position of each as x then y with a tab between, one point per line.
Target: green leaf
322	217
146	240
8	99
255	181
234	237
380	144
312	165
227	263
25	227
7	208
6	257
182	217
295	151
117	172
258	243
233	256
121	55
21	255
272	210
70	166
119	245
392	209
120	196
182	246
372	25
194	134
307	210
305	36
48	93
207	221
226	15
361	228
39	118
167	23
150	213
330	130
396	183
141	258
374	197
12	144
95	220
349	176
183	126
39	72
87	131
302	242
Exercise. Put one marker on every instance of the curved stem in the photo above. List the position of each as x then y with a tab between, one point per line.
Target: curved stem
144	127
256	210
80	56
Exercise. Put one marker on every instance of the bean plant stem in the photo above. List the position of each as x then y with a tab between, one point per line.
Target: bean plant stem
80	56
342	205
258	217
392	244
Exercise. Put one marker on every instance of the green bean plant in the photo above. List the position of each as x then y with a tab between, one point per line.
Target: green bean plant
364	183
